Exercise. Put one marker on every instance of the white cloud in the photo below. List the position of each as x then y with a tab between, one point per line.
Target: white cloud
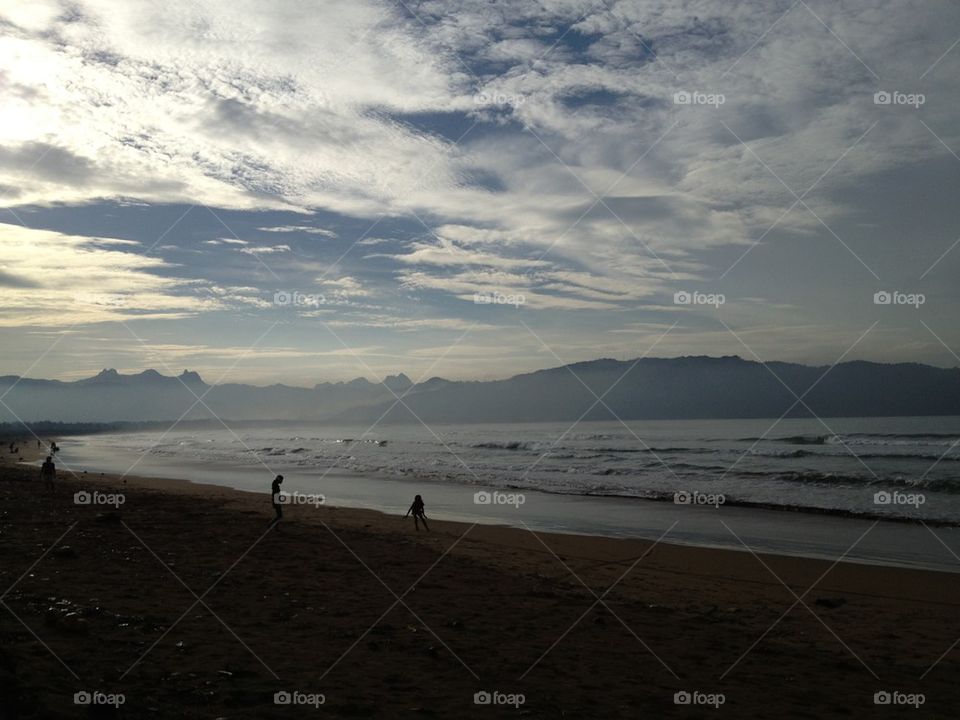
265	249
157	103
445	252
299	228
226	241
54	279
134	100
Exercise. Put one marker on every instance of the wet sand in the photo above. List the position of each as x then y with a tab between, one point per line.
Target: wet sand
187	602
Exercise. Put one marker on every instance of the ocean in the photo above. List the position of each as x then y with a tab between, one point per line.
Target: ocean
849	465
721	483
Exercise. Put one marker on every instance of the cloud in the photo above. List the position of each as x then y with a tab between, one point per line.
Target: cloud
45	161
299	228
10	280
349	288
226	241
56	279
447	253
465	286
163	100
265	249
312	114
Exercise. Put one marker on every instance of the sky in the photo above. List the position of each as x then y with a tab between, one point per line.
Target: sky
300	192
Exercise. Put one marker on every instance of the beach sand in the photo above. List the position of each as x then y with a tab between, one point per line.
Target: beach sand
187	603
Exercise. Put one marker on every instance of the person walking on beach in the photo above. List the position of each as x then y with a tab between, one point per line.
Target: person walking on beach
417	509
48	473
275	495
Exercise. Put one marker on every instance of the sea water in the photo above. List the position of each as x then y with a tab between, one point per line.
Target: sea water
593	477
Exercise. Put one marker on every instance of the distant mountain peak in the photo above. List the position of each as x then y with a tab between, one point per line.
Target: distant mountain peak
105	376
397	382
358	382
189	376
112	377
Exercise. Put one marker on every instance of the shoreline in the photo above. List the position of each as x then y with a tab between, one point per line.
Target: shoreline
596	547
904	516
244	498
763	513
181	486
653	498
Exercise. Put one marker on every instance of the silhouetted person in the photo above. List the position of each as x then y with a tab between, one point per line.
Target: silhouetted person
48	473
275	495
417	509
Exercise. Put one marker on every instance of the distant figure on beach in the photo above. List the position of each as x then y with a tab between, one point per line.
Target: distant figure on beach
275	496
48	473
417	509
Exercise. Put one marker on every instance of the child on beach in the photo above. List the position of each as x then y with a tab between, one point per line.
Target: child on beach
48	473
275	494
417	509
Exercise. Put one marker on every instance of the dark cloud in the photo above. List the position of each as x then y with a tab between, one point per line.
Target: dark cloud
47	162
15	281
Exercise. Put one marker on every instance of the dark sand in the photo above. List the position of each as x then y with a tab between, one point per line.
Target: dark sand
314	608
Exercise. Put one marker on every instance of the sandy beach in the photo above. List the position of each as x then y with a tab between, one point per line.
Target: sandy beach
183	600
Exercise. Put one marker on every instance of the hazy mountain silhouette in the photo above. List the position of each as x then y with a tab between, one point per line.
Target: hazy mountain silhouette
686	387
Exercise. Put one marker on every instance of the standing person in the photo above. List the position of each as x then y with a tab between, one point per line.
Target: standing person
275	495
48	473
417	509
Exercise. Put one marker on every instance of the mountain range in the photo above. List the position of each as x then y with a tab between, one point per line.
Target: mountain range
648	388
